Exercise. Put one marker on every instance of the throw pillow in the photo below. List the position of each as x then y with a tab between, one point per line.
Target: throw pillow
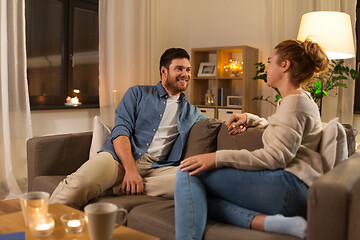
251	139
202	138
333	145
101	134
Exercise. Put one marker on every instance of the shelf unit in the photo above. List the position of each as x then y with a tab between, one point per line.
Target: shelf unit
242	85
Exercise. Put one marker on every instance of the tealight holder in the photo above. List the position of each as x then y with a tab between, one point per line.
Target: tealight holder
41	225
73	222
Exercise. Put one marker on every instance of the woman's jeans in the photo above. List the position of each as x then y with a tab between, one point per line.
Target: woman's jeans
234	196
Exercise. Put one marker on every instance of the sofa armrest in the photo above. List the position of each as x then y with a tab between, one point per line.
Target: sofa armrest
334	203
57	155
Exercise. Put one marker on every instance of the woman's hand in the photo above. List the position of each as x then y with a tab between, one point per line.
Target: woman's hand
198	163
237	123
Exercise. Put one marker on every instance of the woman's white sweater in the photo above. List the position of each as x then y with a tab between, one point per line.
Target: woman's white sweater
291	140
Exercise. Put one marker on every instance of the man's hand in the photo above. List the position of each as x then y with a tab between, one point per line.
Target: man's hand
199	163
237	123
132	183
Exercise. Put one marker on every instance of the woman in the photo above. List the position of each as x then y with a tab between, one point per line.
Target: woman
265	189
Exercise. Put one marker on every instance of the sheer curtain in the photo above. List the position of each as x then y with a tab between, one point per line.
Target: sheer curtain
284	21
15	119
124	51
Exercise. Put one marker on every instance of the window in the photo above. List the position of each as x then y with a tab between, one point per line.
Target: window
62	41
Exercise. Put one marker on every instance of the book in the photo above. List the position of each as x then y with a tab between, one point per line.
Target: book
13	236
222	96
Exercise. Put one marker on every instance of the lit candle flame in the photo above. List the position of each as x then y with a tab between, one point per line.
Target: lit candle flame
75	100
42	227
74	223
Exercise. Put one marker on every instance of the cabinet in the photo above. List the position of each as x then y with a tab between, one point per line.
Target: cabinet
224	114
211	70
208	112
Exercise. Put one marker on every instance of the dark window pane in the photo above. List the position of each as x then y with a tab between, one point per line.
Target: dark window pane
62	49
45	24
85	63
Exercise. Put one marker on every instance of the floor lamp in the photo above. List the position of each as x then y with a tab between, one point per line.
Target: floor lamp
332	31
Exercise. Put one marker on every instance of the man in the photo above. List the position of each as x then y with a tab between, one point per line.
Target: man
152	124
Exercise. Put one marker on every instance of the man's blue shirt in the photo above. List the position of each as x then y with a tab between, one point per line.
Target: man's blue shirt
138	116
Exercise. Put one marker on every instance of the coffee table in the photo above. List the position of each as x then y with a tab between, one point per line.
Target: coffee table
9	206
14	222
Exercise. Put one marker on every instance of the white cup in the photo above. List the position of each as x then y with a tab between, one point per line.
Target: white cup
34	203
101	219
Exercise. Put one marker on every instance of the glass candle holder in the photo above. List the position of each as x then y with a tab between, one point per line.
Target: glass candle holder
209	97
73	222
41	225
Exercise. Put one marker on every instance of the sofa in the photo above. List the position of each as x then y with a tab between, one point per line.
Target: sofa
333	200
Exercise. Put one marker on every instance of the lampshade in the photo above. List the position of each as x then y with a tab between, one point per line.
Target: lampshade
331	30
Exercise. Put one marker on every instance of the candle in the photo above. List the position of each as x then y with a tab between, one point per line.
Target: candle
42	226
74	100
43	229
73	222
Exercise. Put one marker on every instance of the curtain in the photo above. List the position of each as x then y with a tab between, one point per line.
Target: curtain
284	21
15	119
124	51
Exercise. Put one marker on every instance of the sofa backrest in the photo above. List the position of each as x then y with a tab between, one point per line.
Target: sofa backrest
211	134
251	139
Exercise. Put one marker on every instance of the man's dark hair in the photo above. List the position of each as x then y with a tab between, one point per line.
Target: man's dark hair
170	54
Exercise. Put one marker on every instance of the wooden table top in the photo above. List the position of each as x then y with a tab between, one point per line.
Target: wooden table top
14	222
9	206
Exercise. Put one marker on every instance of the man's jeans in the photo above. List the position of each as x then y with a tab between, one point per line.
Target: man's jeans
234	196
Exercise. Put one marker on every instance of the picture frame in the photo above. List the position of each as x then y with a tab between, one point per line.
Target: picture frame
234	101
207	69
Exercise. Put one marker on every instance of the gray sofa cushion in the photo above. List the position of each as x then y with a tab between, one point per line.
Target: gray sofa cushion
46	183
202	138
158	219
251	139
128	202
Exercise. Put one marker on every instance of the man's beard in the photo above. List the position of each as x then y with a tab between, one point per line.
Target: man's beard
176	88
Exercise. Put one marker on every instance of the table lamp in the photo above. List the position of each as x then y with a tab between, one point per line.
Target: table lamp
332	31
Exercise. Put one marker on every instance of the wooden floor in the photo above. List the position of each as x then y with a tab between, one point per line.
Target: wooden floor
9	206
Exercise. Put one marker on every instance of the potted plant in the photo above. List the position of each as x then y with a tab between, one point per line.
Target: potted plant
320	84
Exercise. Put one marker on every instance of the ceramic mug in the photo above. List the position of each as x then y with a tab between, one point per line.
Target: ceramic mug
101	219
34	203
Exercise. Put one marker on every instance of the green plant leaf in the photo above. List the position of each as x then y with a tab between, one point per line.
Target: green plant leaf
354	74
277	97
338	78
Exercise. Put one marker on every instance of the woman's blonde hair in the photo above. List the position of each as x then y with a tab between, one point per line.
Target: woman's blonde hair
306	58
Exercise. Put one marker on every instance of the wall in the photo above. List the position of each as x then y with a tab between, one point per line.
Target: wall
187	24
207	23
62	121
191	24
211	23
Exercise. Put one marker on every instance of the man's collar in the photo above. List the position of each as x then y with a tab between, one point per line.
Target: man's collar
161	89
